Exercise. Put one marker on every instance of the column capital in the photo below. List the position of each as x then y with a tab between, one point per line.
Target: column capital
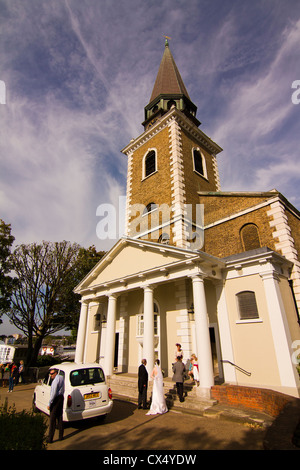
148	287
197	277
270	275
113	296
93	303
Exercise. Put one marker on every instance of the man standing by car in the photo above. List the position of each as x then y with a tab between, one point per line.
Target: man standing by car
56	404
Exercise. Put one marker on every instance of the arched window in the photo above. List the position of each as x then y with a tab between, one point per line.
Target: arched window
247	305
171	103
250	237
150	163
150	207
199	163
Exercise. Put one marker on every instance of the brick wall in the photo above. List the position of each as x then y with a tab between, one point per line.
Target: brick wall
259	399
224	239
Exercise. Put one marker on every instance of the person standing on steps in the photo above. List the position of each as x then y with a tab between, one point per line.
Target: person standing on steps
178	377
178	351
158	404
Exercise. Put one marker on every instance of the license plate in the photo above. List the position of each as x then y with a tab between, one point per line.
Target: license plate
88	396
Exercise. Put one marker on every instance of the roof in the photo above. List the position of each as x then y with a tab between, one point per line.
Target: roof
255	254
168	80
132	261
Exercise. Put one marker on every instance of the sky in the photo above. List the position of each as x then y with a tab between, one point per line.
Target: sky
75	76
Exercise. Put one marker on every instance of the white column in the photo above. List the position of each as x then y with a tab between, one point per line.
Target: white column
202	337
81	332
110	335
225	334
148	344
280	330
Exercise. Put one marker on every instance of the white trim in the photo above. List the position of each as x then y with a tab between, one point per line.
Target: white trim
188	126
286	242
216	172
177	182
128	191
250	320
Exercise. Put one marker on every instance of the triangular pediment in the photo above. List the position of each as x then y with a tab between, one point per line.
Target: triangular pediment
133	258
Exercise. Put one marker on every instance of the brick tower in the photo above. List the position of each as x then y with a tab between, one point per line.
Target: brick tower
168	164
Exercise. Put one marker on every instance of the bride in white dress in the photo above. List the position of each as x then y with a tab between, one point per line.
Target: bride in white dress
158	404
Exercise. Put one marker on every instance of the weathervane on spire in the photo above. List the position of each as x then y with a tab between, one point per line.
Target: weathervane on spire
167	42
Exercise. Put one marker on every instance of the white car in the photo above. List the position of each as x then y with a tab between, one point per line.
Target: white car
86	393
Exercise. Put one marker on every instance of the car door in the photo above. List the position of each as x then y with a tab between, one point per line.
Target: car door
43	394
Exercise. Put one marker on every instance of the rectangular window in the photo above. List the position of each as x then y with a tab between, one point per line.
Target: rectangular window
97	319
140	325
89	376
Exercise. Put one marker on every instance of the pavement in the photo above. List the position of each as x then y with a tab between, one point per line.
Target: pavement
217	428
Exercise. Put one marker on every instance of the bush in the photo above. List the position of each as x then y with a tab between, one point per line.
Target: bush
21	431
47	360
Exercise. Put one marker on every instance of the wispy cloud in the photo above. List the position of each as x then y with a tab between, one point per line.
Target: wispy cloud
257	127
79	73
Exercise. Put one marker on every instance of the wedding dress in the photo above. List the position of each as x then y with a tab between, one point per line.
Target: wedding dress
158	404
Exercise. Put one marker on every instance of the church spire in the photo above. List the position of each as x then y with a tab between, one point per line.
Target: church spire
168	90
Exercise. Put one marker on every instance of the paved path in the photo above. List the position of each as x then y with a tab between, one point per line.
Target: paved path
128	428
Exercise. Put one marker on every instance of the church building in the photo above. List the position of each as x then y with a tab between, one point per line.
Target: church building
217	272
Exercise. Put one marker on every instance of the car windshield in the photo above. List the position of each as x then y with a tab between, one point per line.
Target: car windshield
90	375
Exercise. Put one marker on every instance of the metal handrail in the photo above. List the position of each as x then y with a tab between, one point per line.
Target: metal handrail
237	367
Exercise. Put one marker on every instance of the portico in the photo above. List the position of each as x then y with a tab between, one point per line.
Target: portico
175	283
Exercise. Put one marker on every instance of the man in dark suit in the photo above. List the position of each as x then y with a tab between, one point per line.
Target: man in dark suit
143	385
178	377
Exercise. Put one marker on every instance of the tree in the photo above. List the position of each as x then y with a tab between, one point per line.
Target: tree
6	281
86	260
40	295
43	301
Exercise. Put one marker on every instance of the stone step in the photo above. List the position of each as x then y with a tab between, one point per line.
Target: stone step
126	386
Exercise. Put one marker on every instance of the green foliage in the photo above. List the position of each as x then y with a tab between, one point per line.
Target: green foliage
21	431
47	360
6	282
